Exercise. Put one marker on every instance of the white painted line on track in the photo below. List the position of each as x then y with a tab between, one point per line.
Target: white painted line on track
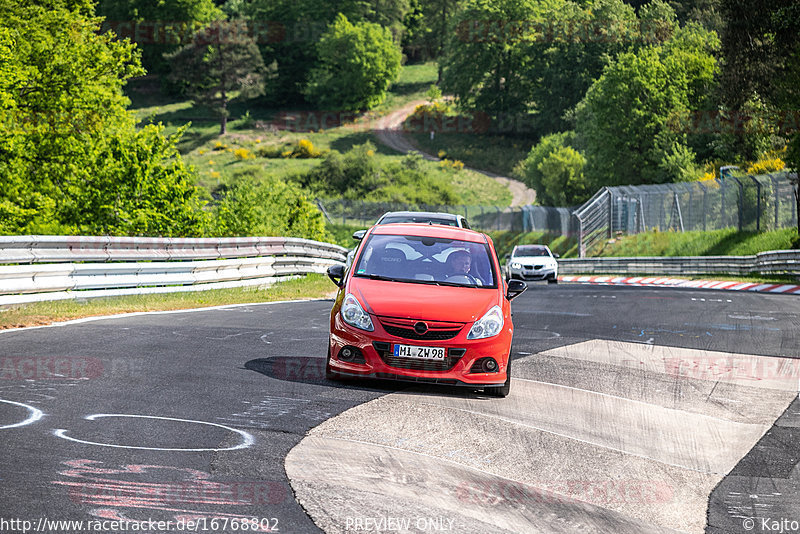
35	415
162	312
247	438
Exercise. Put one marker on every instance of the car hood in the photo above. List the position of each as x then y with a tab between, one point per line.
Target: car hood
533	259
423	301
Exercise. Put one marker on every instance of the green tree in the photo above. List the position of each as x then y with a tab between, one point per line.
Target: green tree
263	205
761	62
488	58
157	27
576	43
528	169
213	66
562	177
623	124
357	62
70	158
294	27
555	170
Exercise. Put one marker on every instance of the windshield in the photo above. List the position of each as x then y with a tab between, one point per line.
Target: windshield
531	251
426	260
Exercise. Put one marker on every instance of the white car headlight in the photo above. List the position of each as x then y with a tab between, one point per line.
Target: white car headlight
487	326
516	265
354	315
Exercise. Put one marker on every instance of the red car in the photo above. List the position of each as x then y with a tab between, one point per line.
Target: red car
425	303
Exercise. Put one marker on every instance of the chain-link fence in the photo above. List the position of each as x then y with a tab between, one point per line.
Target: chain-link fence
751	203
486	218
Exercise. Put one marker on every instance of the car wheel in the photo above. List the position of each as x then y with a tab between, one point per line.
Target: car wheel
330	374
501	391
552	280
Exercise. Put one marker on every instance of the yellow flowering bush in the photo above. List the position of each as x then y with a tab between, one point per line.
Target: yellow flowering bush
243	154
768	163
451	164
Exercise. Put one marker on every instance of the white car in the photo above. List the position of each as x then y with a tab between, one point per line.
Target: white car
532	262
419	217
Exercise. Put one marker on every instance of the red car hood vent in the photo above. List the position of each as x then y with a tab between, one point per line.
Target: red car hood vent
436	305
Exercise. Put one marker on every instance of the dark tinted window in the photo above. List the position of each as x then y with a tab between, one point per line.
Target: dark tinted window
531	251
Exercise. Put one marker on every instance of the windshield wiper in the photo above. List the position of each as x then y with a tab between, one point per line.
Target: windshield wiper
378	277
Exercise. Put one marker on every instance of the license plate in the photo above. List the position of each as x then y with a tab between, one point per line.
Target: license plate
419	353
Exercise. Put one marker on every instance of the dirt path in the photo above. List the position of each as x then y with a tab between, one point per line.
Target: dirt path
389	132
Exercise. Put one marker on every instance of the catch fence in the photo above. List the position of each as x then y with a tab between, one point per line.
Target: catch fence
748	203
557	221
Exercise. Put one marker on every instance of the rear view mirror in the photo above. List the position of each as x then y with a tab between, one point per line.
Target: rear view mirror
556	255
516	288
336	274
358	235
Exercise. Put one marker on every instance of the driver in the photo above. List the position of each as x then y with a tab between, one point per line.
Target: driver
459	263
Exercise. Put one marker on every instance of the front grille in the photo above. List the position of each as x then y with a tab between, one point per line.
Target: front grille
404	328
452	358
430	335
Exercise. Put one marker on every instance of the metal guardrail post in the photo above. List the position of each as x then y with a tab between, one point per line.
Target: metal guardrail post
741	203
705	203
758	202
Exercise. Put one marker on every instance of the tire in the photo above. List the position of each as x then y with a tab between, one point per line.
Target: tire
505	389
552	280
330	374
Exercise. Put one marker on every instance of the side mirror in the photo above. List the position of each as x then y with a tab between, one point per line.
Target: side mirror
336	274
556	255
506	258
516	288
358	235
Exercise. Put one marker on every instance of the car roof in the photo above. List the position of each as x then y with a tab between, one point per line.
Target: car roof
437	214
429	230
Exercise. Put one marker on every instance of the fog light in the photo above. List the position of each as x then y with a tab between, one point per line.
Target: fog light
351	354
489	365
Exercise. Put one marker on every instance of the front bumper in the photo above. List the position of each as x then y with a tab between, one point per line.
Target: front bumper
461	355
532	273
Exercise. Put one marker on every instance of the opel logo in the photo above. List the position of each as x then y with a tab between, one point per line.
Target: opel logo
420	328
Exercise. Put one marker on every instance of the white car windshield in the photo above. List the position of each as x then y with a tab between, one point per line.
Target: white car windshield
426	260
531	252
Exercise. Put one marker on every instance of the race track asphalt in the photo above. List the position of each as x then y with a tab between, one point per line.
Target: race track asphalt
632	410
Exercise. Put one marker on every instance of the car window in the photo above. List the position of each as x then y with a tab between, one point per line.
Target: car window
529	251
427	260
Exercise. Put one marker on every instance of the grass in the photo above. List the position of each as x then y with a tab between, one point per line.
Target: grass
494	153
42	313
412	84
728	242
505	241
252	127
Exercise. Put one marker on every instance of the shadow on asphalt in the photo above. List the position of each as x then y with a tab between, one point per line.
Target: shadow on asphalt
308	370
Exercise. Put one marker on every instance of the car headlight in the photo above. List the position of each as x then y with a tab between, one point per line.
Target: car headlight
487	326
354	315
516	265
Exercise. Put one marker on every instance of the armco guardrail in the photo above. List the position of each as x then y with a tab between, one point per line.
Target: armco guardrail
59	267
784	262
